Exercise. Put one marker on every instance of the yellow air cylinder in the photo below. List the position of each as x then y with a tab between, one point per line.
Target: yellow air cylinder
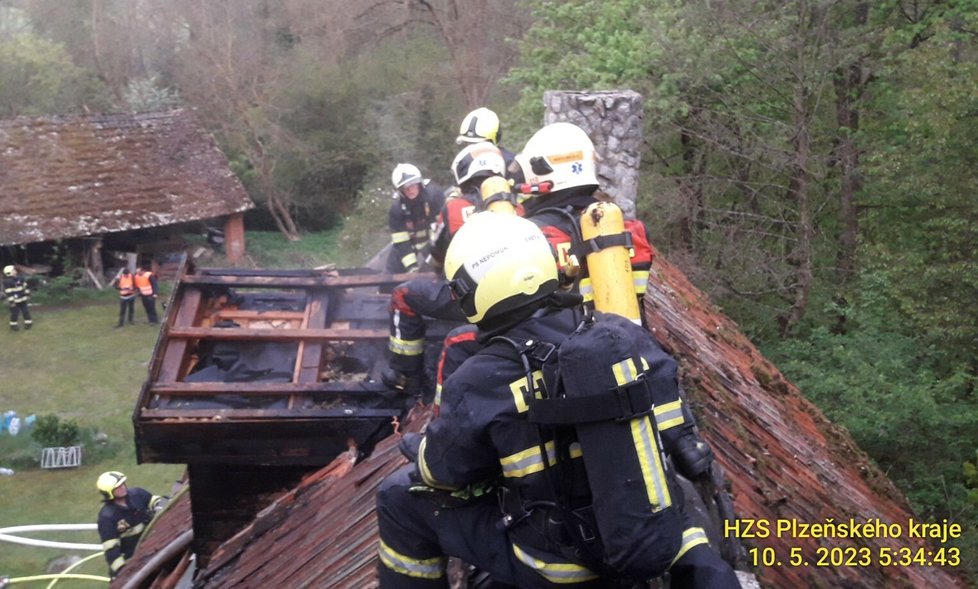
609	269
497	193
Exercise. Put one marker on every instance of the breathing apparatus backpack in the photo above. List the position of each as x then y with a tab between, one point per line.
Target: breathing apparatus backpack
601	398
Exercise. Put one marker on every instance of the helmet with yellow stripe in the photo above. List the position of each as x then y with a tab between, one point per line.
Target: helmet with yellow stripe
498	263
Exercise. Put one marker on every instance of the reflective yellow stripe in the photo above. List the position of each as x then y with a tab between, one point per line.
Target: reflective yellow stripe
586	289
641	280
409	260
669	415
426	476
646	444
425	568
691	537
555	572
117	563
400	237
654	476
437	395
110	544
406	347
529	461
625	371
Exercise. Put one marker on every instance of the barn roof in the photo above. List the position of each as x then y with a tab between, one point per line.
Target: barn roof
79	175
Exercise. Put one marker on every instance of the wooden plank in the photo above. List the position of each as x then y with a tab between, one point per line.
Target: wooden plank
182	416
175	353
265	388
311	352
291	334
258	281
248	314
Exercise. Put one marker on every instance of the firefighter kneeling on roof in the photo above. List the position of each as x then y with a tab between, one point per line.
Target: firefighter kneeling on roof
520	475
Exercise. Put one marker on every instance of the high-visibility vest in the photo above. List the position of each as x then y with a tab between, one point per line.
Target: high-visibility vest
144	285
126	283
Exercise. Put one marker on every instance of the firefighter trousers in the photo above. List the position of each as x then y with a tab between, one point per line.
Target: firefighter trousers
419	528
17	309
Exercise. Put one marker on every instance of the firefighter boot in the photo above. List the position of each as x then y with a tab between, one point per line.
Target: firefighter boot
692	456
409	384
14	327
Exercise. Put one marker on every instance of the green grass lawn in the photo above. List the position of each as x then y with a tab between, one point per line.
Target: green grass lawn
75	365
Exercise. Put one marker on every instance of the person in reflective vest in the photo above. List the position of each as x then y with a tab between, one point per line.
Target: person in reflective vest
17	294
146	284
126	283
123	518
483	486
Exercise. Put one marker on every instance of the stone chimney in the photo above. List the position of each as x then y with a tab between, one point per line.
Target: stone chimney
613	120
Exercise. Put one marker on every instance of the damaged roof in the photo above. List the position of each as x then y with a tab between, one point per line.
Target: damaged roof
784	460
79	175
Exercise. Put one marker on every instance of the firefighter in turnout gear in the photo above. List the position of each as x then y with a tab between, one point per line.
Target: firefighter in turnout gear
482	124
495	488
413	301
558	163
123	518
17	294
126	283
415	209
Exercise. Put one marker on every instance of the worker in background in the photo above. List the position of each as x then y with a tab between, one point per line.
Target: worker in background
17	294
126	283
482	124
481	487
414	300
123	518
148	286
416	205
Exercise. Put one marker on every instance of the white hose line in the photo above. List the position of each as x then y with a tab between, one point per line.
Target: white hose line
6	536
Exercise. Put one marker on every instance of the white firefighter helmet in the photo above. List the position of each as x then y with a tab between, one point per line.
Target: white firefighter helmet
405	175
481	124
478	160
498	263
561	153
9	270
108	482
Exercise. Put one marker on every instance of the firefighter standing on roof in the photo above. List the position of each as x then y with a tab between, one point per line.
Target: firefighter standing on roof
17	294
505	280
482	124
413	301
416	205
559	165
123	518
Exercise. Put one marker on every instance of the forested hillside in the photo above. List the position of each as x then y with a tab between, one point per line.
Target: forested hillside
811	164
